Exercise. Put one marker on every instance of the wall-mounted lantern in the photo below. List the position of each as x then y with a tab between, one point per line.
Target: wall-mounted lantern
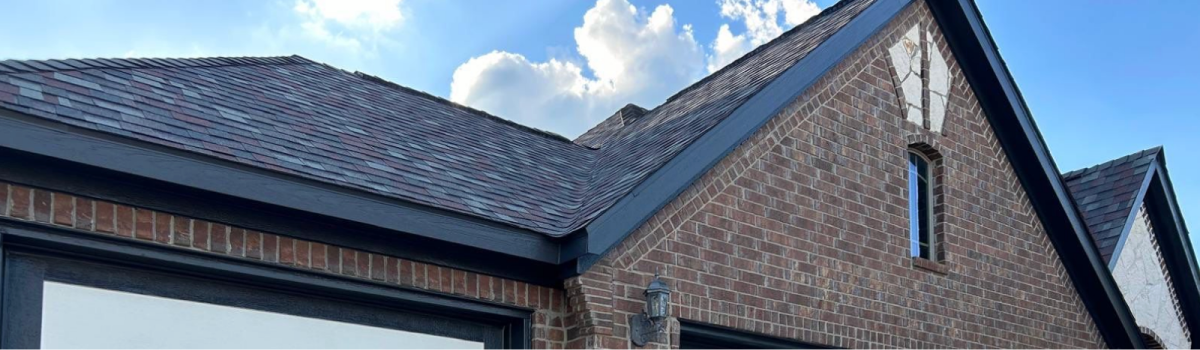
649	324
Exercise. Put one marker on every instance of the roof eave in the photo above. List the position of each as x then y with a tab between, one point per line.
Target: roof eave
31	134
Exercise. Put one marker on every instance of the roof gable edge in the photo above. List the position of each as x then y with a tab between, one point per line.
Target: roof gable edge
1133	211
1164	208
1005	108
664	184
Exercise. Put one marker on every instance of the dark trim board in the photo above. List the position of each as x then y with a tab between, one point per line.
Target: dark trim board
668	182
504	326
695	335
1172	232
34	135
1133	211
976	53
73	178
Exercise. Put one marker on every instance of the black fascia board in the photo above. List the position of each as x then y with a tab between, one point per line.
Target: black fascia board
975	50
51	174
26	133
1132	216
666	183
1170	229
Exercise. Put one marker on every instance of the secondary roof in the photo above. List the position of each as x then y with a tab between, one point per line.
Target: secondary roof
1106	194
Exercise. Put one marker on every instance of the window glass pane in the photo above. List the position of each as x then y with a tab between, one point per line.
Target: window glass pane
919	207
85	317
913	213
924	215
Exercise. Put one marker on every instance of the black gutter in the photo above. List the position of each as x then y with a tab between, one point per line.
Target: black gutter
976	53
143	160
41	172
1175	245
666	183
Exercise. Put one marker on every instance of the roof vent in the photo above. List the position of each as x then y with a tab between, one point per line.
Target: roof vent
630	113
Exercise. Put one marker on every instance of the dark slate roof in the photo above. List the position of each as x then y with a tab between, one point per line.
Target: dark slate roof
304	118
1105	195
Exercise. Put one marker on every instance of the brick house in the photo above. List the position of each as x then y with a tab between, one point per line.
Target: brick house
871	178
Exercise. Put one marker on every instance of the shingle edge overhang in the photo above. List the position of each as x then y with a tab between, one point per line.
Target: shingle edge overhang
666	183
1159	196
972	43
34	135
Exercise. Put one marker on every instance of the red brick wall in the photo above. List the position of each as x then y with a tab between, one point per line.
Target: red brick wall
89	216
802	233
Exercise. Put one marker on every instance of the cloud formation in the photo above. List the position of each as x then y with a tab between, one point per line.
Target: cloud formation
763	23
348	24
630	55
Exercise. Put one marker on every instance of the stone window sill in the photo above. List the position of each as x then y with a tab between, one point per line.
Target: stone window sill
930	265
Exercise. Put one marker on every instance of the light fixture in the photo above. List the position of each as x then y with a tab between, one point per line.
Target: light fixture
649	324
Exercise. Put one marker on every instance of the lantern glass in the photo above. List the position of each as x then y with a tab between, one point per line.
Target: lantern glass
658	303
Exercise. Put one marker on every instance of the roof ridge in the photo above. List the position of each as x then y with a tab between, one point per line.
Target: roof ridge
438	99
746	56
1139	154
63	65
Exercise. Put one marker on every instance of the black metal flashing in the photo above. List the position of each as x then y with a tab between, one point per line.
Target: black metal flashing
29	134
666	183
976	53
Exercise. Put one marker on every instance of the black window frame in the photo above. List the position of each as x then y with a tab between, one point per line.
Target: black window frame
34	253
922	218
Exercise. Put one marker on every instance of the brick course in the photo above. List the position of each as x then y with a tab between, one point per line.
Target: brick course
802	232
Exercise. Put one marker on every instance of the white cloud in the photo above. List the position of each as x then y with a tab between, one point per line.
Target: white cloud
798	11
632	57
727	48
519	87
763	23
347	24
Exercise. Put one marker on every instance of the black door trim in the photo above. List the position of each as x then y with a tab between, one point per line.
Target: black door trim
695	335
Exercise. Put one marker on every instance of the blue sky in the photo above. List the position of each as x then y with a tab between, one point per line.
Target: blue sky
1103	78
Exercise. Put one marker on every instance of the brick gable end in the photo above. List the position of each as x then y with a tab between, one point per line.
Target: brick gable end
801	232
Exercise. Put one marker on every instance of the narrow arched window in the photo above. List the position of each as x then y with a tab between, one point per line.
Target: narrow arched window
920	207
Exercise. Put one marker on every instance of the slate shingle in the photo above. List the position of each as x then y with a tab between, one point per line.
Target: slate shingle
296	116
1105	195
